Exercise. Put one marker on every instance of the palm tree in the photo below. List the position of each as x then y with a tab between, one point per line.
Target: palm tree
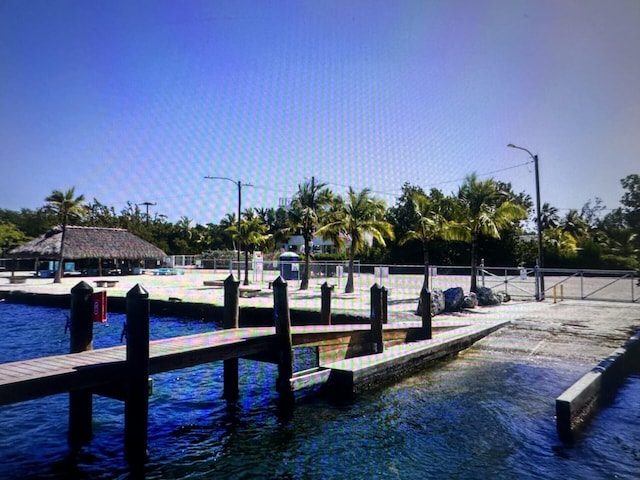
252	234
559	242
65	207
360	216
549	216
574	224
623	242
430	223
484	211
228	221
305	215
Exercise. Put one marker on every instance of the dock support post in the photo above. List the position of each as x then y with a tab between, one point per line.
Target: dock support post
425	301
231	319
376	318
136	407
81	340
325	309
283	337
385	305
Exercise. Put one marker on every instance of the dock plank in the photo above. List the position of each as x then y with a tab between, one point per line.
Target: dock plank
34	378
38	377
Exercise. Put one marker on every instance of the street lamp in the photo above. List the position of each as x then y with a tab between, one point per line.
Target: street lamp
540	292
239	184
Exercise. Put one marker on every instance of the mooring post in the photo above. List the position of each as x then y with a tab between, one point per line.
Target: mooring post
283	337
231	319
385	304
325	308
376	318
81	340
425	301
136	406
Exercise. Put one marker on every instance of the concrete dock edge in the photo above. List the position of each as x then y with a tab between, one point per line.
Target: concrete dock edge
577	405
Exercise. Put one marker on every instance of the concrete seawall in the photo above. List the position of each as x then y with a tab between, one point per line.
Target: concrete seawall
260	315
577	405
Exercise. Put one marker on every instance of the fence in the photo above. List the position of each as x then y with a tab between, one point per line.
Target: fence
518	282
608	285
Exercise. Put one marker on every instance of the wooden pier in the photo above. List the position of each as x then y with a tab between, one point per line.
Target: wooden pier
350	358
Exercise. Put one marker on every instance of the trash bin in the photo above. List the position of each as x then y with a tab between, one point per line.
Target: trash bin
289	266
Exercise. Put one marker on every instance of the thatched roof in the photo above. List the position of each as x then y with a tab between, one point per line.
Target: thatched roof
89	242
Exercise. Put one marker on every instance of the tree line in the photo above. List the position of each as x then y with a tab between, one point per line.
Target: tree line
484	219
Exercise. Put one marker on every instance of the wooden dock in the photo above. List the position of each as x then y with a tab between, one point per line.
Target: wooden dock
95	369
349	358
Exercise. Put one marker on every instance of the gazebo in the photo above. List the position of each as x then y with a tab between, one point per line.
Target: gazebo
89	246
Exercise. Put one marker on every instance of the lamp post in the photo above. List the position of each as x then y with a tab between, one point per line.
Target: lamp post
239	184
540	292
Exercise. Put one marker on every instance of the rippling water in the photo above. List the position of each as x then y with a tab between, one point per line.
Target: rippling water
470	418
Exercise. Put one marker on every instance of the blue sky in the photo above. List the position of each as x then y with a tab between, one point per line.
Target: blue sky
139	100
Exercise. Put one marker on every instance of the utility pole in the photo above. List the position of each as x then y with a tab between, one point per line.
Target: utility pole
147	204
540	292
239	185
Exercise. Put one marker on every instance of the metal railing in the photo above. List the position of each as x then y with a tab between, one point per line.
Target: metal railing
607	285
518	282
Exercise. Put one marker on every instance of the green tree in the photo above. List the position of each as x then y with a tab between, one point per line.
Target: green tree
631	201
592	212
483	210
361	215
228	221
306	213
252	234
182	240
574	224
429	223
549	216
100	215
10	237
276	222
559	243
65	206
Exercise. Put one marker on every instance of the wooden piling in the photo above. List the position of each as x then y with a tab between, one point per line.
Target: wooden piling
425	301
325	306
385	305
81	340
376	318
136	406
282	320
231	319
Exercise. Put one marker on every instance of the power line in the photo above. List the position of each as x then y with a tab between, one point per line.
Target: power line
484	174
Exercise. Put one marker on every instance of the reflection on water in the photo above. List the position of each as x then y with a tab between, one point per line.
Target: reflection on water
473	417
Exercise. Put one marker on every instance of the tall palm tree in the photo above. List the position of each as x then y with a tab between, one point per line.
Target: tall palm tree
430	223
549	216
228	221
360	216
484	211
574	224
252	234
305	215
65	206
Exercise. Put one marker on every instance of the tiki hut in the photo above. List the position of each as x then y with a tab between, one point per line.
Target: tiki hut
91	247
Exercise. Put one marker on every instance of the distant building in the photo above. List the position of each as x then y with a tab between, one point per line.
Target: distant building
318	244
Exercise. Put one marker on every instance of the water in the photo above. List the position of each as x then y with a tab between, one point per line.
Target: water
474	417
